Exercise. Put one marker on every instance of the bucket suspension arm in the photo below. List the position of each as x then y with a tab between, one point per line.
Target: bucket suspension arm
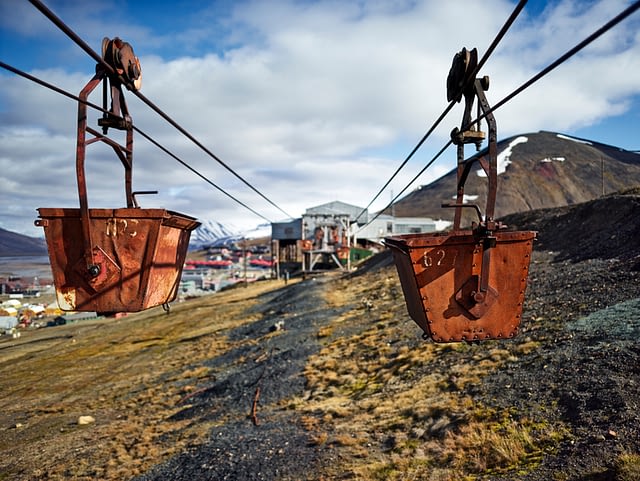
490	167
125	65
465	63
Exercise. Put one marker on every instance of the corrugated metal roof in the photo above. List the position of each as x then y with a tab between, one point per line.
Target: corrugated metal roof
338	208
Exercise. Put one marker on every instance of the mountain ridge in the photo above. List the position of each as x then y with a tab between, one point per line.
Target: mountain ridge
210	232
14	244
536	170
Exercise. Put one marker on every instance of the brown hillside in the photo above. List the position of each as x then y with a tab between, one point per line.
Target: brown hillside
14	244
536	177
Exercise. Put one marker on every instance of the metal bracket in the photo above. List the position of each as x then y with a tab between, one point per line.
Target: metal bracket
141	192
126	68
476	295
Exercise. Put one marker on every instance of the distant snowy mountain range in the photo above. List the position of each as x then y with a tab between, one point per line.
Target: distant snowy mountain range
212	232
209	233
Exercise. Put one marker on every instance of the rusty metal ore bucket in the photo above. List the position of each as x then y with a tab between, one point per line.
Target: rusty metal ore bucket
459	287
138	254
113	260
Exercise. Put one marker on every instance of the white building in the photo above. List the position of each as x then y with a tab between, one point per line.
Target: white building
386	226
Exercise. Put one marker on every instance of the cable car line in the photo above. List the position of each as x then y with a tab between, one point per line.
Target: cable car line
566	56
154	142
435	157
82	44
563	58
472	75
146	136
631	9
45	84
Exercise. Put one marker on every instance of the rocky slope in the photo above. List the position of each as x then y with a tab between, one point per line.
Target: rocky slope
558	402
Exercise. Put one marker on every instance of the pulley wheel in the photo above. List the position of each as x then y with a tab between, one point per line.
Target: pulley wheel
464	63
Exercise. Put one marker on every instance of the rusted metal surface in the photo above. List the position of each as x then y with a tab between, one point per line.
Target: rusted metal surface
139	255
114	260
440	277
467	285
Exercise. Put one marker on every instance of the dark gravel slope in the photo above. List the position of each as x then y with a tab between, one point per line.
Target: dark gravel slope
582	310
265	368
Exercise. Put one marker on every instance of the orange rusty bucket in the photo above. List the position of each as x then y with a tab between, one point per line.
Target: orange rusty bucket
467	285
441	277
138	255
113	260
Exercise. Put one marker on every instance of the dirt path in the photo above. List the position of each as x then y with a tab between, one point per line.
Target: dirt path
255	436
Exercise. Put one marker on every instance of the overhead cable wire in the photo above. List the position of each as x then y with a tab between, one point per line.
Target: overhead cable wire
82	44
154	142
624	14
146	136
397	196
51	87
570	53
472	75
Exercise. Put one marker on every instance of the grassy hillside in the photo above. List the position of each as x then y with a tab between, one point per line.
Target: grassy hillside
328	378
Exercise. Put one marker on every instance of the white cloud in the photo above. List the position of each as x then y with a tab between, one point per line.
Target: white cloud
308	101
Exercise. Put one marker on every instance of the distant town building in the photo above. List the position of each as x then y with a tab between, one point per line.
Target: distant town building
386	225
336	233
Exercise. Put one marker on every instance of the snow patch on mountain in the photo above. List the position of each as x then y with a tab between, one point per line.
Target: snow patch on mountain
574	139
504	157
466	198
262	230
208	233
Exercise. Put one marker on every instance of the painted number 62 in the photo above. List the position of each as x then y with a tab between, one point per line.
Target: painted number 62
434	258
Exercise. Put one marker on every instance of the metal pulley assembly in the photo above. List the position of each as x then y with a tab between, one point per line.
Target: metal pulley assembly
462	67
125	69
467	284
120	56
114	260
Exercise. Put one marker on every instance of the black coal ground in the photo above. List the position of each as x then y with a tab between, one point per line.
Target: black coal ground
273	445
588	366
584	312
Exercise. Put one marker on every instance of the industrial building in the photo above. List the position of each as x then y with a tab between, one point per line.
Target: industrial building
335	235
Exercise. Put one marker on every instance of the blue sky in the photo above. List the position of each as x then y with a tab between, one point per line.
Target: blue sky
310	101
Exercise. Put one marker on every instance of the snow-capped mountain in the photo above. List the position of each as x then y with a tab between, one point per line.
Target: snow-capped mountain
208	233
212	232
258	232
535	170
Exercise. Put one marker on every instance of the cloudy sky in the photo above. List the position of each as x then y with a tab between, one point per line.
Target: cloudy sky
309	101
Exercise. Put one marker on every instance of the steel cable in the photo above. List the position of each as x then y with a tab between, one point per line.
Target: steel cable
509	97
82	44
563	58
146	136
472	75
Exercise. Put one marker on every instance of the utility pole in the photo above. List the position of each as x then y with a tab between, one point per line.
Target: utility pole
275	258
602	173
393	207
244	260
